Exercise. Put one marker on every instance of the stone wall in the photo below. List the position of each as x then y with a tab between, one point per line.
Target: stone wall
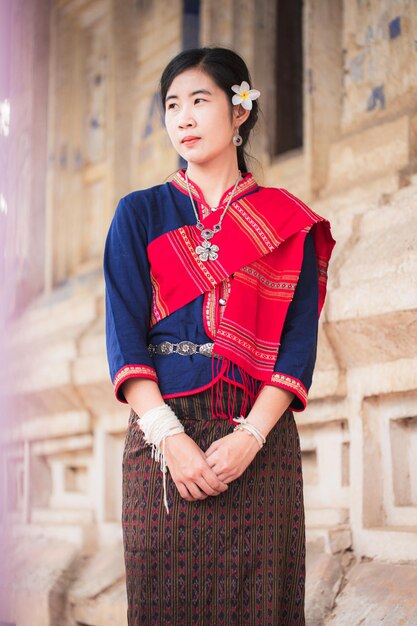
104	137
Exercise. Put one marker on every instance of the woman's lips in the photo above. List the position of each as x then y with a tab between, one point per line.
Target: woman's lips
190	142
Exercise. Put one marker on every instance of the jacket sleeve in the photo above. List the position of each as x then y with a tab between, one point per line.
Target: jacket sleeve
298	349
128	293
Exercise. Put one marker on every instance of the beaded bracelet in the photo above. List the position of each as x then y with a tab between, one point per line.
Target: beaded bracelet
250	428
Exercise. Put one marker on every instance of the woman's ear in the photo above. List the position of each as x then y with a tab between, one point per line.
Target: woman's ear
240	115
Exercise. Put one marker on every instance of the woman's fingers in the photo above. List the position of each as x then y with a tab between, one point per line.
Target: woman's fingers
206	486
196	492
183	491
213	480
190	470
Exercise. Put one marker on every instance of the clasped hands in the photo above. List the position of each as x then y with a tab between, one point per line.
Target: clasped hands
199	474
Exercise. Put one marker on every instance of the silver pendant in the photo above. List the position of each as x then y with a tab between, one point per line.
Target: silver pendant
207	251
207	233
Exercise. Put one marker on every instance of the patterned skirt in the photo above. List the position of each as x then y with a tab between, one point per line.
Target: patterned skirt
236	558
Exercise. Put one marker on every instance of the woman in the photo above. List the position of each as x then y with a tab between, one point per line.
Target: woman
214	286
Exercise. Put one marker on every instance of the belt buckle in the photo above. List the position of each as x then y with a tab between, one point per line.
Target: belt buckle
186	348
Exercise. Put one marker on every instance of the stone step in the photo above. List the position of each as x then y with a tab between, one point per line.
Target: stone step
377	593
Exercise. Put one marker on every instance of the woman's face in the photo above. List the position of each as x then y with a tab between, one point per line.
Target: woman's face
196	107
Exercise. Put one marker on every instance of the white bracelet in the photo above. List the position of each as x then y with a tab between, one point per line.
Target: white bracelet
157	424
251	428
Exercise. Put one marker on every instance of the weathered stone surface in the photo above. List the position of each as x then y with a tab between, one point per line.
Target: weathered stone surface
108	609
98	573
324	576
340	539
387	542
98	596
380	72
328	379
369	153
38	574
377	270
372	306
62	425
377	593
362	341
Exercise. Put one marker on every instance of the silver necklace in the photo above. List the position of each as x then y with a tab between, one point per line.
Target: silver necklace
207	251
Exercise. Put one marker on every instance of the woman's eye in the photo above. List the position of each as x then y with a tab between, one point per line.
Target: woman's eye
171	105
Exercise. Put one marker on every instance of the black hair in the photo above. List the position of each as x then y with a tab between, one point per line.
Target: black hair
226	68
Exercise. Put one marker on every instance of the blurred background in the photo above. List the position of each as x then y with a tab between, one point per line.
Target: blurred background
80	126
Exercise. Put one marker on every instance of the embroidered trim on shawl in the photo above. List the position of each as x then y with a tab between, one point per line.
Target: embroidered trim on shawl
270	283
131	371
254	225
252	352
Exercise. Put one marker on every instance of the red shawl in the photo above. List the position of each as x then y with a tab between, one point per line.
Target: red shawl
261	247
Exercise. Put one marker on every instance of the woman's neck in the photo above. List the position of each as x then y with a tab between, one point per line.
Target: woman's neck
213	180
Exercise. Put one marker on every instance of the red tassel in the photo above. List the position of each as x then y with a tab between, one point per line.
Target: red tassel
251	390
224	388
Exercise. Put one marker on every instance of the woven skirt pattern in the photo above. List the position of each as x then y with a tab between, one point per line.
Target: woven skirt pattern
236	558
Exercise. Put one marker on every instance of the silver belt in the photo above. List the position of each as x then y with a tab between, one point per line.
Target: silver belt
185	348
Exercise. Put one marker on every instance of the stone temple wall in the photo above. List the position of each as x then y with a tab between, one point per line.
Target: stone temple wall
84	106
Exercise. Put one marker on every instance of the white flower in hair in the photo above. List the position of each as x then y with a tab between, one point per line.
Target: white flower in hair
244	95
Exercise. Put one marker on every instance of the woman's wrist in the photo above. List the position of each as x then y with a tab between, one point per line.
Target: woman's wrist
168	437
245	424
269	407
243	433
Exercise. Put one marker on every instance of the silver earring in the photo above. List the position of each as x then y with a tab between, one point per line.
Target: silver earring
237	139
